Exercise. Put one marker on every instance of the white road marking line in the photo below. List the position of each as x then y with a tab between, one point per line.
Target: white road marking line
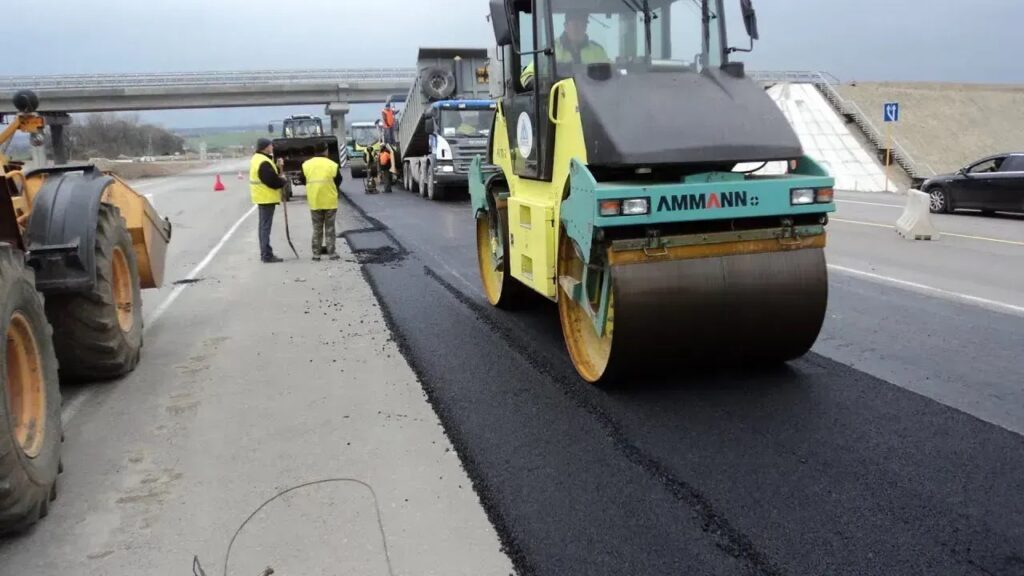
71	407
868	203
967	236
992	304
862	223
195	271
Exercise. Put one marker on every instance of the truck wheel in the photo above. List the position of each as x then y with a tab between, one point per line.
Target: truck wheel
424	169
438	83
30	427
98	335
434	190
406	177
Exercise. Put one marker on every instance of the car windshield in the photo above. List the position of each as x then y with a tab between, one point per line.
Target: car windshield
466	122
632	35
304	128
364	135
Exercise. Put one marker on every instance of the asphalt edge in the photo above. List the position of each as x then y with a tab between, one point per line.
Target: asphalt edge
506	535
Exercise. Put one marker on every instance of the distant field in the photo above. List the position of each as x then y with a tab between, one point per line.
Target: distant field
216	141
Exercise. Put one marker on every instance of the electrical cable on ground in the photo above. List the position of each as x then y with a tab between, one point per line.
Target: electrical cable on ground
197	569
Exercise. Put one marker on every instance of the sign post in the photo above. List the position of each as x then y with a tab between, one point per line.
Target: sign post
891	115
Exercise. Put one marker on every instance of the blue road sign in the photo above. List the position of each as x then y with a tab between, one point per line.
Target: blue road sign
891	112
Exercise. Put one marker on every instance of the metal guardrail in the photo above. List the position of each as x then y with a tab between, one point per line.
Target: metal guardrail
186	79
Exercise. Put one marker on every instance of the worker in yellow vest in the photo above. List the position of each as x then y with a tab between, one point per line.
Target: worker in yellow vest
265	184
323	176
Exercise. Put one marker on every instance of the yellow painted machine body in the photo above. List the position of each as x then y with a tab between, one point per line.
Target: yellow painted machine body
533	205
150	234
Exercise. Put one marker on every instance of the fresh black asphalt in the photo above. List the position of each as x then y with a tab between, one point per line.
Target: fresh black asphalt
811	468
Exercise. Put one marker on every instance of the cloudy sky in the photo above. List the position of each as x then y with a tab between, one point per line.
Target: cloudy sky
945	40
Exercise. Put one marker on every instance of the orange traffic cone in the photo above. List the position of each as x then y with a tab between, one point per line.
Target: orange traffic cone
218	186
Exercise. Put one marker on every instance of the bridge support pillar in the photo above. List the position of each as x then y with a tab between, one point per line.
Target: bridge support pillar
338	111
57	121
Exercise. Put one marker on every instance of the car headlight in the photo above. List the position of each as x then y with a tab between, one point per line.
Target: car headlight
447	169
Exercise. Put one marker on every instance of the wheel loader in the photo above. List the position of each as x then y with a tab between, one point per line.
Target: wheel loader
76	248
630	143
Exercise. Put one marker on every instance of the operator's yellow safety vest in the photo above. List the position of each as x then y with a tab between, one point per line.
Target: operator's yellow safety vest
591	53
260	192
321	193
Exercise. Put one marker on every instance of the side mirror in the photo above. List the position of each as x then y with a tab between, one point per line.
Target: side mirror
750	18
428	125
500	22
270	128
962	171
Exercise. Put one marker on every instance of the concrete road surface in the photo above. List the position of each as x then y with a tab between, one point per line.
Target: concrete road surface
256	379
894	448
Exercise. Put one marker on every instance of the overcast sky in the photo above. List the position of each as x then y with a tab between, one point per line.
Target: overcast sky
944	40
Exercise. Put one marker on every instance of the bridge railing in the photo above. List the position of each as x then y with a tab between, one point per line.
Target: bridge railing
186	79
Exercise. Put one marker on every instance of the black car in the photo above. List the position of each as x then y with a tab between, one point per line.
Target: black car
993	184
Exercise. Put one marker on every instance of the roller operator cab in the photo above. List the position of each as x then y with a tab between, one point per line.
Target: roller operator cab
362	135
625	136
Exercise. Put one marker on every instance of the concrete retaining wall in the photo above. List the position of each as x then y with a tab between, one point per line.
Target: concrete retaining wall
946	126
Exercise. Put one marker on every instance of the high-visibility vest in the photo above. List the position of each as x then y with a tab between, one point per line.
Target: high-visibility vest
260	192
590	53
321	192
389	118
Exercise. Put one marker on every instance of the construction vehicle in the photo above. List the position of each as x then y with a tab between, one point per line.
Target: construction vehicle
445	122
88	243
362	135
300	135
620	195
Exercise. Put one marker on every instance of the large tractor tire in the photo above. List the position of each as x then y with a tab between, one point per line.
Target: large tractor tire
30	427
98	335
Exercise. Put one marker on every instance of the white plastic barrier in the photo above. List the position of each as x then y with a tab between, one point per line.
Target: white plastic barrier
916	222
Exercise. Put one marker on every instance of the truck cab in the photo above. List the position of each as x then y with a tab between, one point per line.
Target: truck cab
300	135
302	126
460	132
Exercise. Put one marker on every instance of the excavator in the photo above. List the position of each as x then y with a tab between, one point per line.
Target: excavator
77	246
630	142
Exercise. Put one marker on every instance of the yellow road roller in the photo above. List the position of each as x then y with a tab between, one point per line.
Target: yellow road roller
649	187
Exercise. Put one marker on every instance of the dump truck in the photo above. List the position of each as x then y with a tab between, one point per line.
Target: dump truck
300	136
624	192
362	135
445	121
77	246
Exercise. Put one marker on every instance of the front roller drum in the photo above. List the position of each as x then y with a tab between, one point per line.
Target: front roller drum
500	288
667	315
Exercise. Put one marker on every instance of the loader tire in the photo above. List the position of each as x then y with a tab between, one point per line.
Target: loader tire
30	427
98	335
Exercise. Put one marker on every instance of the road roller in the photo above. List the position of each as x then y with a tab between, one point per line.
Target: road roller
649	187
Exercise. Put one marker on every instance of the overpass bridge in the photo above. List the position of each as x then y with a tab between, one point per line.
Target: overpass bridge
336	89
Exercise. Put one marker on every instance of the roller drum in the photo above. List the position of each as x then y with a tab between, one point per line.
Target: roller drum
766	307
